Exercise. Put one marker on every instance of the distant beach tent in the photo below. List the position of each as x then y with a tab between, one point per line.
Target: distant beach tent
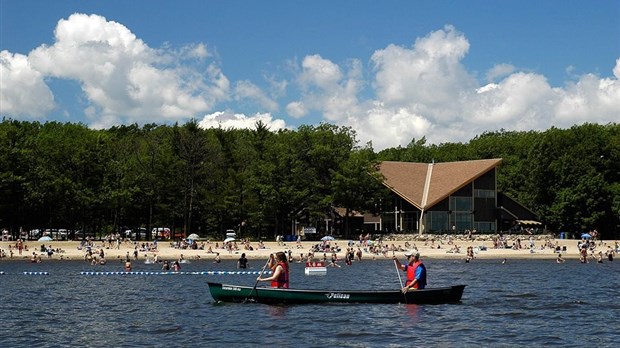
45	239
327	238
229	239
586	236
193	236
529	222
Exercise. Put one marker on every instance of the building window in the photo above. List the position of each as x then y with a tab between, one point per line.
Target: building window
462	220
480	193
409	221
461	204
461	213
436	221
485	226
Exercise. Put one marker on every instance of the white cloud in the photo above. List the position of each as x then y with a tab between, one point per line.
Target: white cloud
425	91
22	89
327	89
277	87
422	90
520	101
499	71
591	99
248	90
198	51
124	80
386	127
296	109
419	91
226	120
427	78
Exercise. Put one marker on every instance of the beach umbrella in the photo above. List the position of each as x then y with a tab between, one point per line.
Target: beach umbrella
327	238
229	239
45	239
586	236
193	236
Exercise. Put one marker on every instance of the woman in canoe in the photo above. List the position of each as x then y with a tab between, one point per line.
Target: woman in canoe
279	265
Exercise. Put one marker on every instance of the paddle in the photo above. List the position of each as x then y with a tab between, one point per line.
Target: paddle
400	280
255	284
398	272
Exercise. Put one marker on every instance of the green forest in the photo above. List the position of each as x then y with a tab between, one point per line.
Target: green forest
260	182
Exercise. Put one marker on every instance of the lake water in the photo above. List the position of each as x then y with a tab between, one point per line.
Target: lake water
520	303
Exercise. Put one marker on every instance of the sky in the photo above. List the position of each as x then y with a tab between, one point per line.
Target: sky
394	71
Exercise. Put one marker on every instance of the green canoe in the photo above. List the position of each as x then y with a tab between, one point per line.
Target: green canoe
236	293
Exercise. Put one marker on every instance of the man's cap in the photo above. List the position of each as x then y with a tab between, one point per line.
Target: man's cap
412	253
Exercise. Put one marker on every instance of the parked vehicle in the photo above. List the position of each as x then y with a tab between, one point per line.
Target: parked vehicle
81	234
161	233
62	234
6	236
136	234
34	234
178	234
54	233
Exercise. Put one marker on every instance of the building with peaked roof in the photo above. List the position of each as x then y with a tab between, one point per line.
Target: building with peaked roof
446	197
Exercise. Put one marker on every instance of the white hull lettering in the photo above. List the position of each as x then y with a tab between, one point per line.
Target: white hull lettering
337	295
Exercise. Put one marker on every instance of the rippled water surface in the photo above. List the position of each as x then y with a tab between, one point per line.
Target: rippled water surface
514	304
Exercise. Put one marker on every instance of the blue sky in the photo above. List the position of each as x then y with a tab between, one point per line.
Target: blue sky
392	70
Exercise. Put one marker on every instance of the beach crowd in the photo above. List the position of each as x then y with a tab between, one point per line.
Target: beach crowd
466	247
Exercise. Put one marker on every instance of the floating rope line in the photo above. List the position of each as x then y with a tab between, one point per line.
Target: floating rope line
176	273
35	273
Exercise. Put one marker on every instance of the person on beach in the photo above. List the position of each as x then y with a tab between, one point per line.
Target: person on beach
280	276
416	271
217	258
470	254
242	262
165	266
35	258
610	253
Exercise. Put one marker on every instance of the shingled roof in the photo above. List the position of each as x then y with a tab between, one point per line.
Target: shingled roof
408	179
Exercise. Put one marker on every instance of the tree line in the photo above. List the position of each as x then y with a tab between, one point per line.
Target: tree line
263	183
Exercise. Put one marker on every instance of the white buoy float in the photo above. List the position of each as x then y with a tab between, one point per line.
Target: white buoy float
315	268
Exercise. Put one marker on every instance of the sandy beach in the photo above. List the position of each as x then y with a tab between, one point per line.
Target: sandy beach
428	246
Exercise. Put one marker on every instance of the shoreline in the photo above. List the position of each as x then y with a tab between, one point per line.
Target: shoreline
427	250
